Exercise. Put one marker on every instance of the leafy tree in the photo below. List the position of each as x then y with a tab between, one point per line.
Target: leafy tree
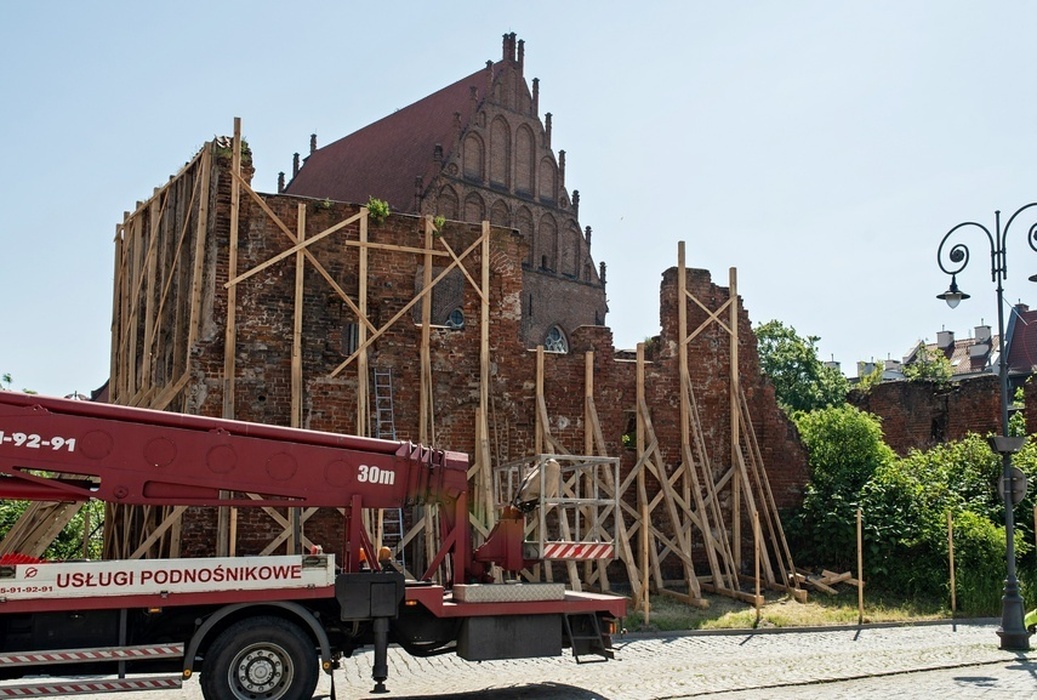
929	365
801	381
844	448
870	379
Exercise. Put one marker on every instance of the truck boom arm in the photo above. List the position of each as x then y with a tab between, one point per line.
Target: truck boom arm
60	450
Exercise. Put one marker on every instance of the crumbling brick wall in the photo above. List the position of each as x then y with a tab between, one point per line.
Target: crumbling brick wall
263	354
918	415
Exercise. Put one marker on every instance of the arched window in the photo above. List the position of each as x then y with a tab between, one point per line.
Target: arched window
555	341
447	206
547	243
500	153
474	208
546	180
499	214
524	224
473	158
524	160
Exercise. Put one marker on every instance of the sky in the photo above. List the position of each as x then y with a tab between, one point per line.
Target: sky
822	149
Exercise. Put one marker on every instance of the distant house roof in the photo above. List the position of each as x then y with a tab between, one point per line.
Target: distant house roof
978	354
1022	339
968	356
384	159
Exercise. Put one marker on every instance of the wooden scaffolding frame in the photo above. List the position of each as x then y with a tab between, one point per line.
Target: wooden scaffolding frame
148	267
685	517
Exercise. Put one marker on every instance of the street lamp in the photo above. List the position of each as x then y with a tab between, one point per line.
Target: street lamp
1014	636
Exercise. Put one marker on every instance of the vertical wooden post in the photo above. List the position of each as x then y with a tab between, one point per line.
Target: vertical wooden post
150	311
426	408
230	337
201	229
230	332
425	405
860	570
642	491
363	423
538	435
736	389
115	369
645	606
300	280
588	449
484	379
588	402
538	442
950	558
86	531
756	562
294	545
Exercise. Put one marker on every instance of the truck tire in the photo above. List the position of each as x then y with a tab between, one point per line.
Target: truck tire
260	658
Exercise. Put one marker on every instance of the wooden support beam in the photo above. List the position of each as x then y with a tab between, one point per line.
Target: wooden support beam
230	332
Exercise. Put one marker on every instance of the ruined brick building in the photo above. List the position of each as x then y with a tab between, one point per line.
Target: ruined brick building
475	150
282	308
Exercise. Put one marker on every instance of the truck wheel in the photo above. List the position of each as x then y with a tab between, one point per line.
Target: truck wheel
261	658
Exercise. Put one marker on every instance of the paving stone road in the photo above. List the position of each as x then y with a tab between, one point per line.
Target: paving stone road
943	660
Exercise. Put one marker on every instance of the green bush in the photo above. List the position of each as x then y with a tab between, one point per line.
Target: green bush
905	503
979	562
845	447
69	542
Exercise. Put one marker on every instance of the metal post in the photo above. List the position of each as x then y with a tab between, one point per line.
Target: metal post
1012	631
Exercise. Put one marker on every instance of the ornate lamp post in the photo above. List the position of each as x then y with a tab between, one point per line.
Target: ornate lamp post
1012	632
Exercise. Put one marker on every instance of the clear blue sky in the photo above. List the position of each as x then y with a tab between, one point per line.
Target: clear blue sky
821	148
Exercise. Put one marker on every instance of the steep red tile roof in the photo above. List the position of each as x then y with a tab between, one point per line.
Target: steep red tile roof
383	159
1022	355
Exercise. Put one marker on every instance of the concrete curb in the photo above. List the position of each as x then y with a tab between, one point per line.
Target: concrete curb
749	631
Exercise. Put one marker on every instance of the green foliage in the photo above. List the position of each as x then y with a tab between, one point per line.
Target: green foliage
1017	418
979	557
438	223
929	365
869	380
377	209
5	381
801	381
845	447
69	542
905	504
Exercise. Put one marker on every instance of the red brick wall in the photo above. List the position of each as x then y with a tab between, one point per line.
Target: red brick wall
918	415
263	355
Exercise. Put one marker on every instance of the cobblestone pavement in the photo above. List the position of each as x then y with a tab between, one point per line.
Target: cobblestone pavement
951	660
921	661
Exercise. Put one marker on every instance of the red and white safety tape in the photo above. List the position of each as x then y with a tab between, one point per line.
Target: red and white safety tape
578	550
65	656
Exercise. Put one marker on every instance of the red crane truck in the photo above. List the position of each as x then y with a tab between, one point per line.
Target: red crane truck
263	626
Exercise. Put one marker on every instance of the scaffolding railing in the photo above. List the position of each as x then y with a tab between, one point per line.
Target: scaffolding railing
573	511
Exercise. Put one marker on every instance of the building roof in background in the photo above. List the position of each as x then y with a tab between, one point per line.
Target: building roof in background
1022	336
384	159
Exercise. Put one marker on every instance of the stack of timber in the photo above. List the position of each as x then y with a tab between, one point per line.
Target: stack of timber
826	580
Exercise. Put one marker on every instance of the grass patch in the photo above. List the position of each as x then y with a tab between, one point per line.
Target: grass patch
668	614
